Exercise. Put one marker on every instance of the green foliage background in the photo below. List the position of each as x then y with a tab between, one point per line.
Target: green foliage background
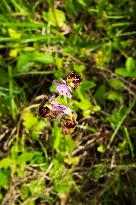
44	40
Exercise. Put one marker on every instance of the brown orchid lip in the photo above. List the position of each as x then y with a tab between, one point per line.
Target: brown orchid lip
69	124
44	111
76	79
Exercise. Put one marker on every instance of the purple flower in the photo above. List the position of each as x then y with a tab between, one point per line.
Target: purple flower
63	89
61	109
52	98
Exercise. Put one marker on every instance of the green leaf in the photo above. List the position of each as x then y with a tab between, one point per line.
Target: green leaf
4	178
14	34
116	116
114	96
5	163
82	2
33	124
96	108
3	77
87	85
100	148
97	172
59	62
24	63
29	120
26	157
27	61
33	188
123	72
64	187
25	191
132	74
130	64
41	125
116	84
46	58
69	144
100	94
55	17
79	68
83	104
